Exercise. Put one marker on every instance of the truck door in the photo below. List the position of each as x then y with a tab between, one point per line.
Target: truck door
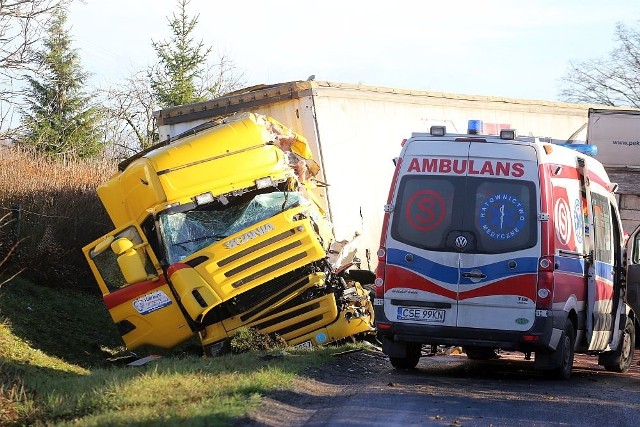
633	271
135	292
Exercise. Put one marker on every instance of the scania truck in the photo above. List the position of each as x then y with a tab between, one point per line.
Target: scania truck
220	228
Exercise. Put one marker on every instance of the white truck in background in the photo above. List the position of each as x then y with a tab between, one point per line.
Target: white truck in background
616	133
354	131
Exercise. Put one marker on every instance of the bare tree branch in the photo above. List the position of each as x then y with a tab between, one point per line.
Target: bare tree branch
21	25
612	81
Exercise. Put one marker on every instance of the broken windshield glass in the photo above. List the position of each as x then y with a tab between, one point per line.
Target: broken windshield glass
184	233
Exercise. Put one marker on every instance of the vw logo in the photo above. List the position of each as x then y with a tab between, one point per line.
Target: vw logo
461	242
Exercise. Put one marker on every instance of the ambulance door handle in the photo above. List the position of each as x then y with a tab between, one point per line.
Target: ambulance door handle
474	275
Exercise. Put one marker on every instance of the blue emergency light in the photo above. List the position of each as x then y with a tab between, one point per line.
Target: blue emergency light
474	127
588	149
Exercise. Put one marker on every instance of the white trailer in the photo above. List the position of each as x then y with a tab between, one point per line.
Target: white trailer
617	134
355	131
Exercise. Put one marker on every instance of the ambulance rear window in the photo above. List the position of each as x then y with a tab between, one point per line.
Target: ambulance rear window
493	215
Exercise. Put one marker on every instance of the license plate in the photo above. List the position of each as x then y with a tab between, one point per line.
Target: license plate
421	314
304	345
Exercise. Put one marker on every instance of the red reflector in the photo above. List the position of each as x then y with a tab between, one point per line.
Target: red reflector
530	338
383	325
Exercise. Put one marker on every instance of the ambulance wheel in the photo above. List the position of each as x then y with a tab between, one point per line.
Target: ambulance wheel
480	353
411	358
565	349
620	359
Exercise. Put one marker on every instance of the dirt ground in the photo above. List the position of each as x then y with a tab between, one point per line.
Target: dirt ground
345	374
351	376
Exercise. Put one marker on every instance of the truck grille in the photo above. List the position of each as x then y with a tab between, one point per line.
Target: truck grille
257	297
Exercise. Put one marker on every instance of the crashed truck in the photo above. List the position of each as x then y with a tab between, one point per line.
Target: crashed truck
220	228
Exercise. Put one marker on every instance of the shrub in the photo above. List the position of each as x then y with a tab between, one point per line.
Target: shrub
250	339
54	210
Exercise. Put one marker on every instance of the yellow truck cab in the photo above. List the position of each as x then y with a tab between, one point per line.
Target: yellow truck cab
220	228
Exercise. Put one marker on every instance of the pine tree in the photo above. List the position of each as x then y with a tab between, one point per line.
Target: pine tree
181	62
59	119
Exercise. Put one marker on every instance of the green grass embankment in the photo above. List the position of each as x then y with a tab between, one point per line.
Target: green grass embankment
54	346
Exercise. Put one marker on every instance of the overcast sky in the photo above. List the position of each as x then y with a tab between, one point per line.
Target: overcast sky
505	48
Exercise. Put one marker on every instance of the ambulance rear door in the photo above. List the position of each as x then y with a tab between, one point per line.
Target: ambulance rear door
463	244
421	275
498	239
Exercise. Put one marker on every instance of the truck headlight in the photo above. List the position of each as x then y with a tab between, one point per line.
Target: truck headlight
204	198
264	182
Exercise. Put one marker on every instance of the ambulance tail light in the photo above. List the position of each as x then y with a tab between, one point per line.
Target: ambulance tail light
380	273
544	292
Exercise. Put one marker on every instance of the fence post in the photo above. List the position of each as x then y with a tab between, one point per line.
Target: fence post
16	217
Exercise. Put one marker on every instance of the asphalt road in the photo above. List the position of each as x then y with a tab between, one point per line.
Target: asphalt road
450	390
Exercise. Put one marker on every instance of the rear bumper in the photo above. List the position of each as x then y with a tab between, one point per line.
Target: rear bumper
544	335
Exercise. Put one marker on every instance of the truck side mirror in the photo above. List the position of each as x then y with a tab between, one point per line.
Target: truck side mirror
129	260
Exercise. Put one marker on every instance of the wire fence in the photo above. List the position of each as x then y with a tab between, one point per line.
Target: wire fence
20	217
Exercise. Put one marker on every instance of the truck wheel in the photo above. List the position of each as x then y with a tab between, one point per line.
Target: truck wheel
620	359
480	353
565	347
411	358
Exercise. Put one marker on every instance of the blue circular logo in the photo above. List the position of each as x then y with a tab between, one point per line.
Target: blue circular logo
321	338
577	220
502	216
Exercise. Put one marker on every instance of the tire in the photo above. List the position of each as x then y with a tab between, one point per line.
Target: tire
565	349
411	358
620	359
480	353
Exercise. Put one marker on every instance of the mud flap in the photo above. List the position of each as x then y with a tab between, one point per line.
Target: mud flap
551	358
394	348
547	360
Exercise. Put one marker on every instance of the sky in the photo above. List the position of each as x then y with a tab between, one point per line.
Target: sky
503	48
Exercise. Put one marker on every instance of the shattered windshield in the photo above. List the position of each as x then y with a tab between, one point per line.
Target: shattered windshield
184	233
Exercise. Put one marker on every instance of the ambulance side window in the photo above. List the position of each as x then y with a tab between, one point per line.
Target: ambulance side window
602	227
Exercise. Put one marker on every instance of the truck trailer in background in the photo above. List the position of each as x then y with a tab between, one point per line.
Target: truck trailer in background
616	133
355	131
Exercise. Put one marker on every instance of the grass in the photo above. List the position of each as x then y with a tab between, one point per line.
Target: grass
53	369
